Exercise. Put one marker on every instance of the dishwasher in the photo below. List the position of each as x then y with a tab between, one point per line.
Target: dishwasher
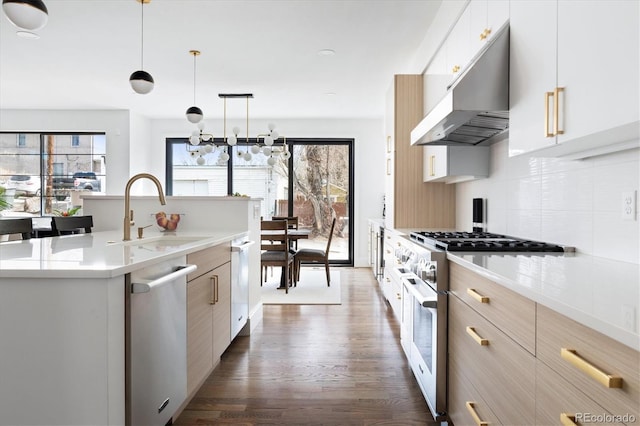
157	342
239	284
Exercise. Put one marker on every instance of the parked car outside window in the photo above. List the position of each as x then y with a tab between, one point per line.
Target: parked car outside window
29	185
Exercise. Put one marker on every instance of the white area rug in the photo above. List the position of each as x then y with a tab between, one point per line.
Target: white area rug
311	290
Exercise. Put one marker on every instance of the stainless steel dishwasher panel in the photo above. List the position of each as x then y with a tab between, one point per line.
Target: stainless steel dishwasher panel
158	342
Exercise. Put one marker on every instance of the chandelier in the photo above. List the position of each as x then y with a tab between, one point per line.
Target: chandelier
264	144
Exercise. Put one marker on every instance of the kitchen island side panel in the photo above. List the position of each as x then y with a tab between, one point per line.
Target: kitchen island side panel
62	346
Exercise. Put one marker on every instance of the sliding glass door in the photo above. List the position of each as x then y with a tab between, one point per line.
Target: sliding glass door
315	184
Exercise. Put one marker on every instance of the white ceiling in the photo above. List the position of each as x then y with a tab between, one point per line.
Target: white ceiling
88	49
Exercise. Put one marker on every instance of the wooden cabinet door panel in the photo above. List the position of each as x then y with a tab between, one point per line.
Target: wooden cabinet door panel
555	332
222	311
199	331
500	364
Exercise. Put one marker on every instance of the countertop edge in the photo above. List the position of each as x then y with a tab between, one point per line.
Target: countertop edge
206	241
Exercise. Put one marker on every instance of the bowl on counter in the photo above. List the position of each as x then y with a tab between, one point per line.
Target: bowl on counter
167	221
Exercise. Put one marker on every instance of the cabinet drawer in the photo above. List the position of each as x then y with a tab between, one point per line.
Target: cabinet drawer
597	353
209	259
555	397
461	394
501	370
515	315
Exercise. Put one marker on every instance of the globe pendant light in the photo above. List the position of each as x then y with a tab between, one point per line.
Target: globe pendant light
194	114
28	15
141	81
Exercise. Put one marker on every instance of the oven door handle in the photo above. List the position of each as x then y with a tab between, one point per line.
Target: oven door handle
423	294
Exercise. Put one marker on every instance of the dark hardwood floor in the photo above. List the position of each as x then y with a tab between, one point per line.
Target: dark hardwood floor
316	365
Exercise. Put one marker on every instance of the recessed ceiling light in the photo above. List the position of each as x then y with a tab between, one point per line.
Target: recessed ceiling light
330	93
326	52
27	34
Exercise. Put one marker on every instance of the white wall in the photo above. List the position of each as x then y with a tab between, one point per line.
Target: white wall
575	203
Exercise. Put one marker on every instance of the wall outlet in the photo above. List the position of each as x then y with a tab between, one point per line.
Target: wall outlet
629	205
629	317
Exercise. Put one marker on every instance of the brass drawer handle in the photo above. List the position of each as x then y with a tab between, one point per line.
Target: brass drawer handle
568	419
477	296
591	370
479	340
214	289
471	409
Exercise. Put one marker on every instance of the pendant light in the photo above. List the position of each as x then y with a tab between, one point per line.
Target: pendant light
141	81
194	114
28	15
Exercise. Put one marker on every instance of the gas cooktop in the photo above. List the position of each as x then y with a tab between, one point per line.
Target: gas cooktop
481	241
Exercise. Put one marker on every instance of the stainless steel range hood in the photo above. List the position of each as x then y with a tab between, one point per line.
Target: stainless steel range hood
476	106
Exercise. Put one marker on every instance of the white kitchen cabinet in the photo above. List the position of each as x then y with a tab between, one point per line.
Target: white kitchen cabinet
453	164
485	18
574	77
458	45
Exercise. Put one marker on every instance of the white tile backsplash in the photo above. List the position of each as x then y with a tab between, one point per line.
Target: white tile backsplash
574	203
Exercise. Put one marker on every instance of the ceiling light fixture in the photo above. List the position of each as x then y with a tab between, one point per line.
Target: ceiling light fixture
28	15
141	81
206	144
194	114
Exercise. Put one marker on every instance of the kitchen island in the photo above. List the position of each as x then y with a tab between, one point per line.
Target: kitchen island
63	326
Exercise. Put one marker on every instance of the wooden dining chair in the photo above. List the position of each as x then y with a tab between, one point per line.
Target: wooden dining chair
292	223
315	256
275	250
71	224
22	226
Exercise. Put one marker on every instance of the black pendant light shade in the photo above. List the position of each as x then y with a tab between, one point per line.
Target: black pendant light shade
194	114
141	82
29	15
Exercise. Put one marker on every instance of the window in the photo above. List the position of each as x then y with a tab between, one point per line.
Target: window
315	184
40	176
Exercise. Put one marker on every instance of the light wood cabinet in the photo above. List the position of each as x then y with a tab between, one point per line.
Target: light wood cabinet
466	406
573	90
520	362
515	315
605	370
493	363
411	203
558	399
454	164
208	312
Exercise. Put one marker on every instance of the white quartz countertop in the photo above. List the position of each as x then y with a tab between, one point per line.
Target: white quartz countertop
599	293
100	254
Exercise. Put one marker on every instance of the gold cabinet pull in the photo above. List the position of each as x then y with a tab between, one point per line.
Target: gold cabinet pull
591	370
479	340
455	68
556	111
477	296
547	95
432	166
388	166
471	409
484	34
214	289
568	419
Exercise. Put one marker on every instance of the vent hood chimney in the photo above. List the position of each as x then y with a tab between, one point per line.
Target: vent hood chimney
476	106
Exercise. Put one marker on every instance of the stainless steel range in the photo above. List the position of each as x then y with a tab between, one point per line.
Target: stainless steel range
422	267
481	241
